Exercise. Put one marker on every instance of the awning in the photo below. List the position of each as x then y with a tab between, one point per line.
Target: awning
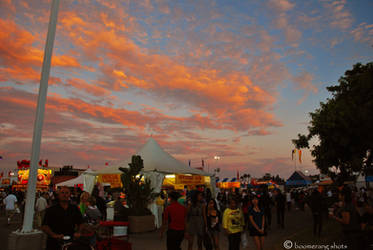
297	183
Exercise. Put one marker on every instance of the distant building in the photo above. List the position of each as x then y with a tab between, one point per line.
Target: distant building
65	173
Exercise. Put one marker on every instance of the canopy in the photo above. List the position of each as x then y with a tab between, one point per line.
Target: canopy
298	179
86	178
155	160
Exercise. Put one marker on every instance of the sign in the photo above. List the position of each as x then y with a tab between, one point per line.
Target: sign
228	185
189	179
112	179
5	181
43	177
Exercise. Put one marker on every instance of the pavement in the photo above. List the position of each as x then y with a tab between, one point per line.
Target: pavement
296	222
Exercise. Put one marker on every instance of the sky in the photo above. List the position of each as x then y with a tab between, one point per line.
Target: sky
235	79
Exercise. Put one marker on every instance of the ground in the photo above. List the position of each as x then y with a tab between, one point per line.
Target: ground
298	229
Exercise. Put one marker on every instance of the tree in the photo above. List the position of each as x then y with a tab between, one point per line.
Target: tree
138	193
343	126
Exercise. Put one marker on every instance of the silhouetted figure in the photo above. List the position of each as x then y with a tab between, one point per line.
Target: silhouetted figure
280	208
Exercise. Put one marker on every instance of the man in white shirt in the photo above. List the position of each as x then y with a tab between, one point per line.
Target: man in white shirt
40	206
10	206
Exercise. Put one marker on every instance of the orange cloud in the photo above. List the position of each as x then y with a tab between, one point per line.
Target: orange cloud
88	88
19	58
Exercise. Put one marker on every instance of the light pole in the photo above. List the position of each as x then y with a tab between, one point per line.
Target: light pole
216	158
38	125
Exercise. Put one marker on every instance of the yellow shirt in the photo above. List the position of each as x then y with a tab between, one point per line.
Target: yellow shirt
159	201
233	220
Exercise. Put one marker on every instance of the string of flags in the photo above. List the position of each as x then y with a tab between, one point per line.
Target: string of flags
294	155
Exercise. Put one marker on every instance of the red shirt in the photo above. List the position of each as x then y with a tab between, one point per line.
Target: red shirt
175	215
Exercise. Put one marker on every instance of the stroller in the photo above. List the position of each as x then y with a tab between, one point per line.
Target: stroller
113	235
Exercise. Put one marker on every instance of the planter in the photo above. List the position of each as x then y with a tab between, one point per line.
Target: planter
141	224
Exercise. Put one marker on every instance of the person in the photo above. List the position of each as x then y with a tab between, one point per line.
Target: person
315	202
288	200
175	221
121	211
196	218
83	202
213	222
257	224
92	218
349	219
266	203
40	207
10	202
280	208
61	220
92	212
100	202
233	223
159	201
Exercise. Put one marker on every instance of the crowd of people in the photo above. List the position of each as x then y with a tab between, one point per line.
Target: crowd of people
196	216
200	217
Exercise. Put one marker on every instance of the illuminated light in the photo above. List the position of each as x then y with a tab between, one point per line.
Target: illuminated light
170	176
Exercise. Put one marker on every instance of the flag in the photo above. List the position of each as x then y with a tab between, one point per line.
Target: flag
40	162
106	163
238	176
300	155
46	163
189	163
203	163
292	154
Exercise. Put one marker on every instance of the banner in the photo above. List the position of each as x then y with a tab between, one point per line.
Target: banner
43	177
112	179
189	179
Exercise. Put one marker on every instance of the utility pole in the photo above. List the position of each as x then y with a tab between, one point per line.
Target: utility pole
39	119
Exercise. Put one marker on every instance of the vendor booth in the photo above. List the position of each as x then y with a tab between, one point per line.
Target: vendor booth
160	168
298	179
157	164
228	183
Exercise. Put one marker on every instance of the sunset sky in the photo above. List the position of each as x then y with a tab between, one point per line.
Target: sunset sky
230	78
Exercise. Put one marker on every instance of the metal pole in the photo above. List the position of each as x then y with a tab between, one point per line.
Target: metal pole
38	125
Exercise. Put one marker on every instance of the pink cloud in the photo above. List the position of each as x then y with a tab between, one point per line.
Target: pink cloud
363	33
340	16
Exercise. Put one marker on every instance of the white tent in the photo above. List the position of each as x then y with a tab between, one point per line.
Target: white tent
157	163
155	159
87	178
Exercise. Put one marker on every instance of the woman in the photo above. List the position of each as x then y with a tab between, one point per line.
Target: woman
257	222
196	218
84	197
233	223
349	219
213	222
